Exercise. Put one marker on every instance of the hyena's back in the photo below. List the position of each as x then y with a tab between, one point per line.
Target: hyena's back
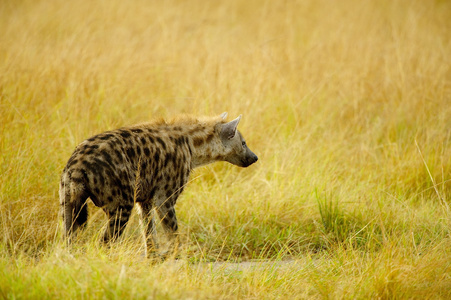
117	168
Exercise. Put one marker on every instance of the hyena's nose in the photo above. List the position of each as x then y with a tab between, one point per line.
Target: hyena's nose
252	159
249	159
255	158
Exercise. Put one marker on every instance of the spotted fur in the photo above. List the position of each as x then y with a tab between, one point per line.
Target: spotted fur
148	165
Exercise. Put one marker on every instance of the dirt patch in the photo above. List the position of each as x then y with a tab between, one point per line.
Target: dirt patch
253	265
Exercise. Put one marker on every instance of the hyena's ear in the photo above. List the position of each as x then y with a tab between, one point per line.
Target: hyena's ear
223	115
228	130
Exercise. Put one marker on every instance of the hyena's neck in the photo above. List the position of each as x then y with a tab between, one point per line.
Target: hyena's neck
206	145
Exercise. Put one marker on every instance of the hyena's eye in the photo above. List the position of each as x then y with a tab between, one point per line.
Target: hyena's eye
243	143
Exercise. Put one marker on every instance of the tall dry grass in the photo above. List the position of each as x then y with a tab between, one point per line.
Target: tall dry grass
347	105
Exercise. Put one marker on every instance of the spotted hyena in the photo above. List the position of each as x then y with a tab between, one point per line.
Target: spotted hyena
147	164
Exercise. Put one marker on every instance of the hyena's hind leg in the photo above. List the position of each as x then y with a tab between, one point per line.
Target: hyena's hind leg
117	220
148	221
74	208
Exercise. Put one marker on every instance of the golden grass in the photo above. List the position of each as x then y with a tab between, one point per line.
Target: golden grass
347	105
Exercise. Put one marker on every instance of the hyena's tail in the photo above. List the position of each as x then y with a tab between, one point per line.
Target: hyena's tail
73	196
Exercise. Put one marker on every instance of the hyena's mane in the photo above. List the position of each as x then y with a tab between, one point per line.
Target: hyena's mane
182	120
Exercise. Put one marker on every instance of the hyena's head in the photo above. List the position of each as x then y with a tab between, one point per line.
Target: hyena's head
235	148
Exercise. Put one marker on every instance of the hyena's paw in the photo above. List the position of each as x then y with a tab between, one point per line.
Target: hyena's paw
157	258
170	255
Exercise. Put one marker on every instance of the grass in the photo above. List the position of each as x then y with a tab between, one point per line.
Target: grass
347	105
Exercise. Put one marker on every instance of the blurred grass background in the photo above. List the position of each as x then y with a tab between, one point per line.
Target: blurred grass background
347	105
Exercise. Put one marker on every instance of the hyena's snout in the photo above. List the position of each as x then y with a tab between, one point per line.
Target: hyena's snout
249	159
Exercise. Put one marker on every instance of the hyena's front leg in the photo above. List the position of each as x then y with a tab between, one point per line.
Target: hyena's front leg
166	212
148	221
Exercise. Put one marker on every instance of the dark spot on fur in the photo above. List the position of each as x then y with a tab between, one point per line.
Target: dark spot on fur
209	138
190	151
125	134
169	223
77	179
118	155
143	166
106	137
180	141
71	162
126	208
131	153
161	142
169	157
146	151
195	129
100	164
152	192
198	141
106	156
175	186
90	149
180	190
124	176
156	156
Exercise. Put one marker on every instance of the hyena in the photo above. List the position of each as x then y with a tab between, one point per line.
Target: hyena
148	165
